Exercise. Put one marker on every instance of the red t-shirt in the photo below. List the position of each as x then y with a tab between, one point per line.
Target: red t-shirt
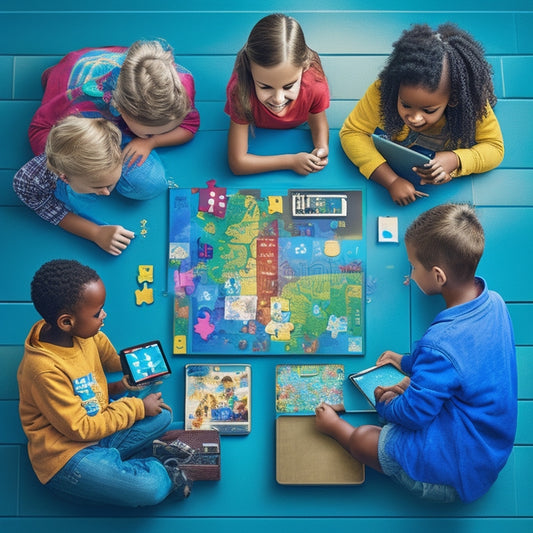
312	98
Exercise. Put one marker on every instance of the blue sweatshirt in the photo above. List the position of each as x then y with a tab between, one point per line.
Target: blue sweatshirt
456	422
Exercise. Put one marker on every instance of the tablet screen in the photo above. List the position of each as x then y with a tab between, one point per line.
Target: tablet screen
400	158
367	380
145	362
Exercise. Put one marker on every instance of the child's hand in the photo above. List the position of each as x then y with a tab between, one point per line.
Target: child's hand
137	150
322	154
113	239
154	404
403	192
304	163
387	394
439	169
390	357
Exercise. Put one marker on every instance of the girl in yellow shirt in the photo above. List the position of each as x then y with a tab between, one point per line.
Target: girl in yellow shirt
435	91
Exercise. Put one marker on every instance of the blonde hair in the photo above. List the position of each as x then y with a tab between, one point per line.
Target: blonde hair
149	89
449	236
79	146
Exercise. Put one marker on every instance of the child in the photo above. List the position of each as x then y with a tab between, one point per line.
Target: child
81	444
451	423
436	92
82	160
141	89
277	83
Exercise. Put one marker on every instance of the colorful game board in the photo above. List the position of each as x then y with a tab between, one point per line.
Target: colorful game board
301	388
218	397
251	276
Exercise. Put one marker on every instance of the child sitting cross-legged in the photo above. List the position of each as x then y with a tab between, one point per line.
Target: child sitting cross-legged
450	425
82	444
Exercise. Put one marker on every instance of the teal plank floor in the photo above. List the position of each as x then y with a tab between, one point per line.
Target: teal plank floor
353	38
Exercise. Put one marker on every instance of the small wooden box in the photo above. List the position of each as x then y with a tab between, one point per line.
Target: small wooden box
207	445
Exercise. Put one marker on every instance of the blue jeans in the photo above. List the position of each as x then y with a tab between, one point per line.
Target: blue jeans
426	491
111	472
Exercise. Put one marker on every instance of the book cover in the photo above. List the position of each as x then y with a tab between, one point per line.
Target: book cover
218	397
301	388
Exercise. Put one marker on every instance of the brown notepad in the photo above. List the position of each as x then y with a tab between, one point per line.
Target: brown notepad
305	456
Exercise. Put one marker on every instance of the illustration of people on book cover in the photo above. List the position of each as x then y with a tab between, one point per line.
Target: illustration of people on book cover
218	397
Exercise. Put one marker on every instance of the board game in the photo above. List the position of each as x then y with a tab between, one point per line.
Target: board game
218	397
301	388
251	275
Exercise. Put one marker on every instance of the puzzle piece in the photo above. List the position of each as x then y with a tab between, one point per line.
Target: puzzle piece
275	204
213	200
203	327
144	295
279	331
180	344
337	324
146	273
332	248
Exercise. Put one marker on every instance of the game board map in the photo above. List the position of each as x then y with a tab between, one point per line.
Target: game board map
250	278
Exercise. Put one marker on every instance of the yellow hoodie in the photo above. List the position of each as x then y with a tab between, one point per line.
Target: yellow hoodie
64	401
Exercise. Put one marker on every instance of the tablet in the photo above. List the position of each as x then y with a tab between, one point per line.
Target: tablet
144	363
400	158
367	380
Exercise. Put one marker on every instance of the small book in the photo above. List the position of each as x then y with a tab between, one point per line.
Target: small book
218	397
367	380
304	456
301	388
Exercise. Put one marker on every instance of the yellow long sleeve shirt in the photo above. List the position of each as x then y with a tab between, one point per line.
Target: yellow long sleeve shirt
355	138
64	401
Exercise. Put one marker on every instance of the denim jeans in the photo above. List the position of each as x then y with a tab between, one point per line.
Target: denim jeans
426	491
117	470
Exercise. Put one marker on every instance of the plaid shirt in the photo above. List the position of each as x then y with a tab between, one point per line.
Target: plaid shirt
35	186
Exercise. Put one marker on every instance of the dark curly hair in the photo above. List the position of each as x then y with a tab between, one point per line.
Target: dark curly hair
274	39
57	287
417	59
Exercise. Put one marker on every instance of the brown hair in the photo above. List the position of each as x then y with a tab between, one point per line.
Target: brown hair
449	236
274	39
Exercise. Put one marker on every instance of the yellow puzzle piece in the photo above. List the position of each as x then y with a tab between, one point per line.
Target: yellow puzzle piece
144	295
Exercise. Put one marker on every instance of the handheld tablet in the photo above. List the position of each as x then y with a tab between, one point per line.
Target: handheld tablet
400	158
367	380
144	363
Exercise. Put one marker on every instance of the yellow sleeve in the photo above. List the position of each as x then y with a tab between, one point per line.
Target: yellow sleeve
488	151
68	418
107	353
357	128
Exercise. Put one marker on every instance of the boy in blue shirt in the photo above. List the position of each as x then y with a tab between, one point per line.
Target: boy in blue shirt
451	423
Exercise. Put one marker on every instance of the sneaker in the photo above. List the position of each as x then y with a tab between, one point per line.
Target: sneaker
176	449
181	486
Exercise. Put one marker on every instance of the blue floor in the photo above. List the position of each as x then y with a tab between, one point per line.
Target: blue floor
353	39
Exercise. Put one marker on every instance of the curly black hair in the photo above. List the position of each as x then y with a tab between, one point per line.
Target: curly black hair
57	287
418	58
